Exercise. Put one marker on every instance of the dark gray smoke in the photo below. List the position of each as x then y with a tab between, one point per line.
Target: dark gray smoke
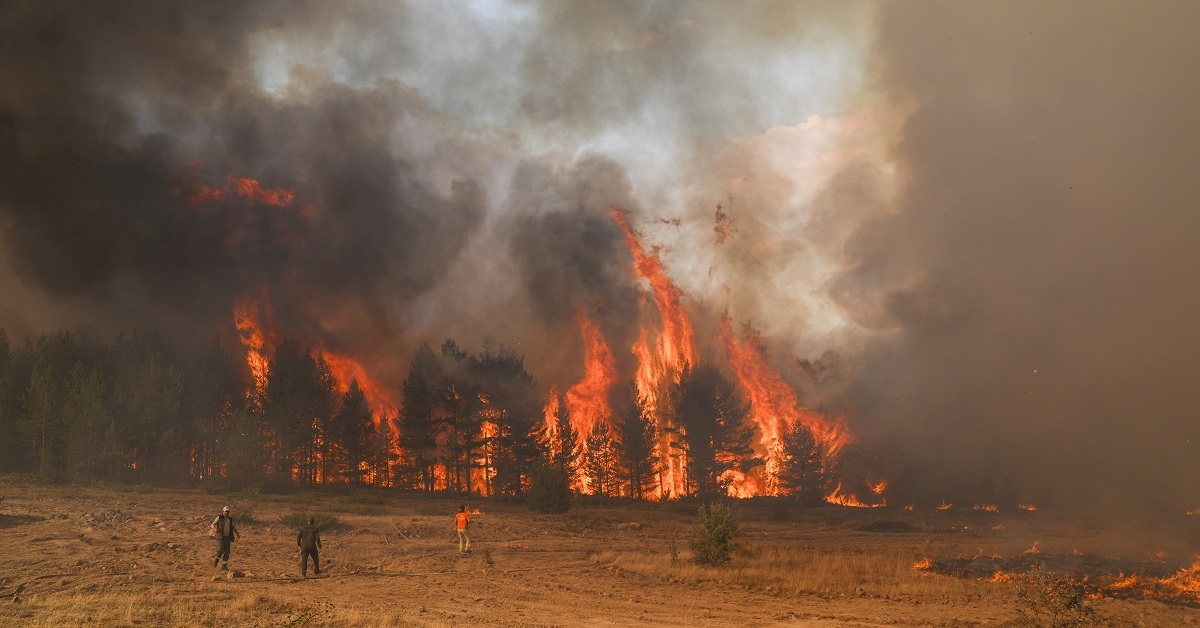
1034	289
114	115
1002	302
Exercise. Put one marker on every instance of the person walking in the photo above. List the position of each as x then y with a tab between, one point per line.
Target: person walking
461	521
226	532
309	540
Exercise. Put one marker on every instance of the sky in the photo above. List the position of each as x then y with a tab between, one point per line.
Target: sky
967	227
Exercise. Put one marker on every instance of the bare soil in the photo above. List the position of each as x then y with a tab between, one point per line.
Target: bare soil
130	556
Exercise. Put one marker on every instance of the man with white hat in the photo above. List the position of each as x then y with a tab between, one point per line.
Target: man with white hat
225	532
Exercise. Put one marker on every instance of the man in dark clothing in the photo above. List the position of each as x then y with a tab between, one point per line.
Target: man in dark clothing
224	530
309	540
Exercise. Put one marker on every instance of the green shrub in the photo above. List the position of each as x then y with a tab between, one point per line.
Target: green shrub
712	541
549	489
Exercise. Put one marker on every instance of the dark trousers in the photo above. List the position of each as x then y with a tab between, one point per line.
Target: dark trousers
222	552
304	554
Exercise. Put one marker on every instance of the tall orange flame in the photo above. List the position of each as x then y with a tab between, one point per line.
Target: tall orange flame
774	406
346	369
255	324
588	399
675	344
661	361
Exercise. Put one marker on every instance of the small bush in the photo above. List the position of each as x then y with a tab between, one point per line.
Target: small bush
712	542
317	610
246	517
1045	600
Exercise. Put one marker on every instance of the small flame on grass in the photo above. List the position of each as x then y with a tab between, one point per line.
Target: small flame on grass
1003	576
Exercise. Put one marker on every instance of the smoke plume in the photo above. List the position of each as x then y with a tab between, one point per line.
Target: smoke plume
968	229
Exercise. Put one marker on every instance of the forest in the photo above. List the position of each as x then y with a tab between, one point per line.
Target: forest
141	409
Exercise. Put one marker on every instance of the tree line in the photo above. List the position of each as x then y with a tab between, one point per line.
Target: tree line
141	409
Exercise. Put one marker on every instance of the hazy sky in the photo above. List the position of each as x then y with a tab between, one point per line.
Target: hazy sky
977	220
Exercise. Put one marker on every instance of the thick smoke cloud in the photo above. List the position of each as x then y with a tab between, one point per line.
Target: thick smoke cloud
114	117
1033	289
981	254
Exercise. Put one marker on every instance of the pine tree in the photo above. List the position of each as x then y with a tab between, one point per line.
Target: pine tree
420	420
713	419
636	447
803	471
563	451
461	408
83	411
599	463
299	398
511	407
352	430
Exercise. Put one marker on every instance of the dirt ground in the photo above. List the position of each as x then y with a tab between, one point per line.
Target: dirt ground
126	556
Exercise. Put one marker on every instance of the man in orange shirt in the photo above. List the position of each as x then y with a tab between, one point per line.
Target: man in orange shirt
462	520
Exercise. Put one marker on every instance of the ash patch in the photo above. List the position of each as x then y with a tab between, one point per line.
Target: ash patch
11	521
1099	576
987	567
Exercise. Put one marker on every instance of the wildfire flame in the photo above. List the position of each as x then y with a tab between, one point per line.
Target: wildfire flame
675	343
588	400
346	369
244	188
1028	507
252	316
660	361
837	497
775	407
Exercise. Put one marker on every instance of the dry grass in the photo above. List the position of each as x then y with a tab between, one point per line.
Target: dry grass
95	556
141	608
